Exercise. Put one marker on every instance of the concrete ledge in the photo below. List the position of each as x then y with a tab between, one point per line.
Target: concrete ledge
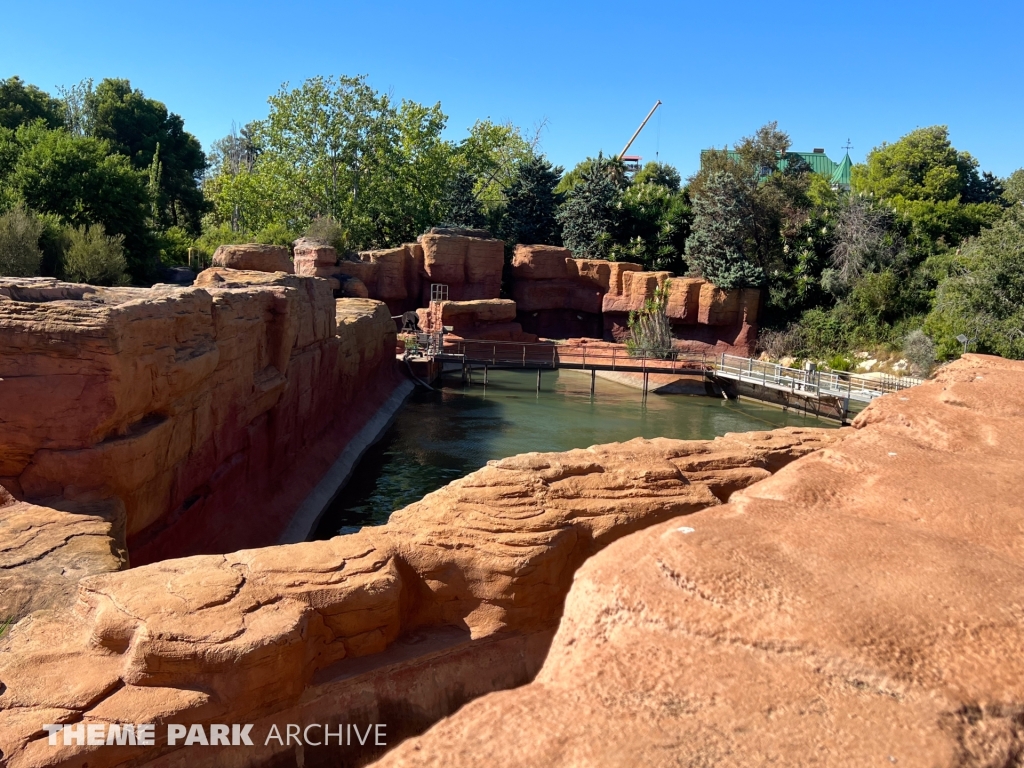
315	504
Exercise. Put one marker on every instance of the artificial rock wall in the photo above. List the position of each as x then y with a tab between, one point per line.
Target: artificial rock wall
208	412
401	277
558	296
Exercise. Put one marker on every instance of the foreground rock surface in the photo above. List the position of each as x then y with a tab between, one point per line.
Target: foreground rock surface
273	632
863	606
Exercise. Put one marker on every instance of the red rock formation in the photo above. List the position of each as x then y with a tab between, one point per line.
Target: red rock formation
254	256
492	319
860	607
274	634
469	266
187	404
561	297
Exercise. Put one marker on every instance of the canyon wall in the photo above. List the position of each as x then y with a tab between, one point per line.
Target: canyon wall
208	412
457	595
558	296
862	606
469	265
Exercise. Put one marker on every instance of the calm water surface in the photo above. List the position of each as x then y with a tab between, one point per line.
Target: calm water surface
444	435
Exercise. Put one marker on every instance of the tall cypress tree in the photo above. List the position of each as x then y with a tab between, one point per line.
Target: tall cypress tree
715	245
532	204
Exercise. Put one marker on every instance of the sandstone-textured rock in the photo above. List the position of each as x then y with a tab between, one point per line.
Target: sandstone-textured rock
254	256
541	262
238	637
187	404
469	266
492	319
313	258
863	606
534	295
45	551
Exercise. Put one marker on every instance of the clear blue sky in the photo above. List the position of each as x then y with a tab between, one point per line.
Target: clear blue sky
867	71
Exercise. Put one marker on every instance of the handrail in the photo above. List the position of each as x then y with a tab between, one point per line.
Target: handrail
535	354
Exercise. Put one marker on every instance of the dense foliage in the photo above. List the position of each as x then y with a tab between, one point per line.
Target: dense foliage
106	157
104	184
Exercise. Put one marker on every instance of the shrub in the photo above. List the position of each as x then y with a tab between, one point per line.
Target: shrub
919	350
329	230
92	257
650	334
20	255
840	363
779	344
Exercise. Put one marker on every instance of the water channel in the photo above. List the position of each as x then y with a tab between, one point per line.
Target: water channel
442	436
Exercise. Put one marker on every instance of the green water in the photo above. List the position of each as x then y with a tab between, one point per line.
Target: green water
441	436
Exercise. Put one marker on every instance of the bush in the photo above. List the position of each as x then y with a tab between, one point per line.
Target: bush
328	230
20	255
174	243
650	334
92	257
779	344
919	350
840	363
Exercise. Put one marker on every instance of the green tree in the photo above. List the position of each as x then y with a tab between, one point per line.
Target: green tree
492	153
22	104
660	174
142	129
984	296
938	188
460	203
654	223
590	214
82	183
715	246
1013	188
532	204
336	148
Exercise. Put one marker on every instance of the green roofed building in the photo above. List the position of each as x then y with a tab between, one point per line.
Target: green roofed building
838	174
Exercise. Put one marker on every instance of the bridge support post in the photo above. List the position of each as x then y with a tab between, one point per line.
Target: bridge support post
538	379
485	375
646	374
593	380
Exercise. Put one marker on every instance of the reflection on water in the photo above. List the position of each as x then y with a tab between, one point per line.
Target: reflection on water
444	435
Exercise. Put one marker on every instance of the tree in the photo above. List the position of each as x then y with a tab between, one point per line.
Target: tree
492	153
532	204
82	183
590	214
140	128
1013	188
20	255
336	148
660	174
862	242
654	223
461	206
984	296
715	247
937	188
22	104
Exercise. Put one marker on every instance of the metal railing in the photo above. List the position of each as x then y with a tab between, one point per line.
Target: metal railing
540	355
810	382
508	354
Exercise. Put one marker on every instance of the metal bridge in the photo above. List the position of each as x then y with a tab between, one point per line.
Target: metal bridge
825	393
